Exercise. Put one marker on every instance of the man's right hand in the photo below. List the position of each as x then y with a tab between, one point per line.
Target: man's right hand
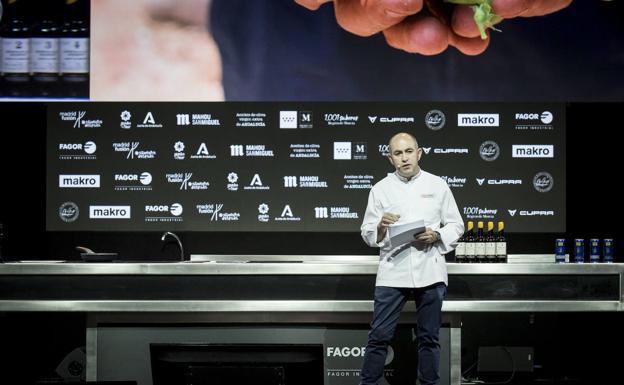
405	27
382	227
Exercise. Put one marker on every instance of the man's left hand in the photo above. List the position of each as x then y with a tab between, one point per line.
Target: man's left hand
429	236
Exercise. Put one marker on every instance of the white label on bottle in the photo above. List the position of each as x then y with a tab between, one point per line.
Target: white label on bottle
470	249
75	55
460	250
480	248
490	249
44	55
501	248
15	55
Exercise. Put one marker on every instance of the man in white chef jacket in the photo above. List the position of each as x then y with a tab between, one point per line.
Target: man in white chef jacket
406	195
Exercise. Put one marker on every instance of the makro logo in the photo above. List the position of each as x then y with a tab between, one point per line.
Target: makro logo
533	151
109	212
435	120
295	119
79	181
543	182
545	117
489	151
68	212
477	120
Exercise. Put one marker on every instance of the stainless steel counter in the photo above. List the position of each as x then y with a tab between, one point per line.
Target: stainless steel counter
284	266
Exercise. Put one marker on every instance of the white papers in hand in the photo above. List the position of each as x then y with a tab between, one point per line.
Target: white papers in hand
404	233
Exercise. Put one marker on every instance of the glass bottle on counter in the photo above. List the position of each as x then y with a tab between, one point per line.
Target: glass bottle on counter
480	244
15	38
460	250
74	49
607	253
490	243
501	244
594	250
469	243
44	50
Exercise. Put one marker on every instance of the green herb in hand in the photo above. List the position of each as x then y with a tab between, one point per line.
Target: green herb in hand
483	15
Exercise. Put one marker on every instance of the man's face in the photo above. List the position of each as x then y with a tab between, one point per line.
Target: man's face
404	155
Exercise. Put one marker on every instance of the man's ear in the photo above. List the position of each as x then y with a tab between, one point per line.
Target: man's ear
390	160
419	154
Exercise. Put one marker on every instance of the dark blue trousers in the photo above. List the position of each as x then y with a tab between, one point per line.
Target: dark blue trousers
389	302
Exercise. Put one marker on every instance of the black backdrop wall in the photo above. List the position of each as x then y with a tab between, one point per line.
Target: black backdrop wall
593	204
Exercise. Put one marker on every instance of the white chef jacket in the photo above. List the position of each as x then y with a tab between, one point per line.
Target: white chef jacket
425	196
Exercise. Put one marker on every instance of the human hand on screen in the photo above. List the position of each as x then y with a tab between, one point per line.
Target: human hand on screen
428	27
463	15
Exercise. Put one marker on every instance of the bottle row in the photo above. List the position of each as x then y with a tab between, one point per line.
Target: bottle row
482	247
595	255
44	48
